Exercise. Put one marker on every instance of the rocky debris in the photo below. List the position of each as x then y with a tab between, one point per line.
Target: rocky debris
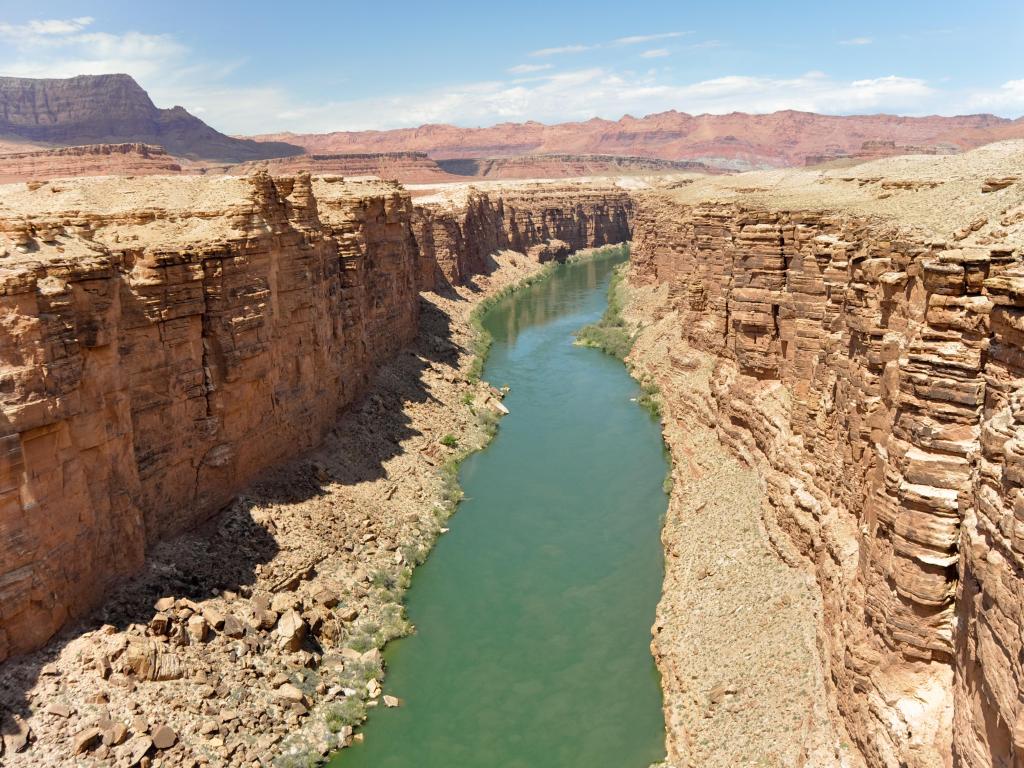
163	737
994	185
552	250
85	740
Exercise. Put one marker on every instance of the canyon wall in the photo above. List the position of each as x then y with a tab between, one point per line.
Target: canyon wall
165	341
456	231
868	362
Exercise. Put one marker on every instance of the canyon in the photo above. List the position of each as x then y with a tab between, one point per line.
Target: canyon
838	358
168	343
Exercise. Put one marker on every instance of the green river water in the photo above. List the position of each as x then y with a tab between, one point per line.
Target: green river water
533	613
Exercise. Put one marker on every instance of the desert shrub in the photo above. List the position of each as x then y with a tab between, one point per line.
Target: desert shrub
349	711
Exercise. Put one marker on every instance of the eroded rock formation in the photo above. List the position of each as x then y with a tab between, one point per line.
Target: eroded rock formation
737	140
163	342
865	334
407	167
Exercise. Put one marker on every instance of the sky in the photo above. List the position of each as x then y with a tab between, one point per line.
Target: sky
261	67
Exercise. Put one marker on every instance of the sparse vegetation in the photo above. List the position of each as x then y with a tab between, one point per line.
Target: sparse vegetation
349	711
450	440
611	334
650	398
306	758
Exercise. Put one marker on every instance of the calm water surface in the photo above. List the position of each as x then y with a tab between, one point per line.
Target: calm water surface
533	614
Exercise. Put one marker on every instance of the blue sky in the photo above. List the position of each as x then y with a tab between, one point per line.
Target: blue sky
259	66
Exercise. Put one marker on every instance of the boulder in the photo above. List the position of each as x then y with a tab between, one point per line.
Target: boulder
291	630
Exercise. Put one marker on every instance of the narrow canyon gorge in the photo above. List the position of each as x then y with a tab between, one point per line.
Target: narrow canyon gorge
228	403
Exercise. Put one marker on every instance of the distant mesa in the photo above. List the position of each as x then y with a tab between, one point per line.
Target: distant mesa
114	109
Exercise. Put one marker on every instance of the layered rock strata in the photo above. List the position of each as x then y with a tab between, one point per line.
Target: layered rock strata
864	334
407	167
165	341
88	160
458	227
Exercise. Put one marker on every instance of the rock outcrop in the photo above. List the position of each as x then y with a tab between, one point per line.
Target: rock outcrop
865	334
88	160
164	341
114	109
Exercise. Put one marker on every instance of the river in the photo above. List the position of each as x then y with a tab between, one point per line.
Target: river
533	613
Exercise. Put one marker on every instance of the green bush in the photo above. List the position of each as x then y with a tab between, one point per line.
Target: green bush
349	711
611	334
450	441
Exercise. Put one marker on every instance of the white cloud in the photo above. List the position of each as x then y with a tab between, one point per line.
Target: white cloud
705	45
582	94
523	69
616	43
1007	99
562	49
857	41
634	39
655	53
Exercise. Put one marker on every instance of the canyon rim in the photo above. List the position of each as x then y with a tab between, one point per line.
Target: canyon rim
244	377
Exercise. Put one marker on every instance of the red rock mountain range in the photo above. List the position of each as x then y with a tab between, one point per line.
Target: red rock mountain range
39	118
738	140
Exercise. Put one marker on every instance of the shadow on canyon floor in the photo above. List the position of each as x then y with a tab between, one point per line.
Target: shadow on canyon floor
231	549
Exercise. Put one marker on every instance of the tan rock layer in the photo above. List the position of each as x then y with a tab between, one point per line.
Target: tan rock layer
872	375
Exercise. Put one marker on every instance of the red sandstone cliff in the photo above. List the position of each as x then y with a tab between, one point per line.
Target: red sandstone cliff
864	333
163	342
458	227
